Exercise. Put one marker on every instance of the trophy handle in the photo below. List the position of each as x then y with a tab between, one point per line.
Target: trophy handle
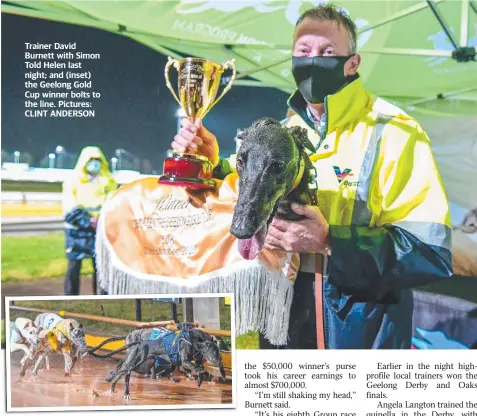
171	62
225	66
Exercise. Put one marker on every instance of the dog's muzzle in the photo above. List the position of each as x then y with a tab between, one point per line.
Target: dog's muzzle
81	344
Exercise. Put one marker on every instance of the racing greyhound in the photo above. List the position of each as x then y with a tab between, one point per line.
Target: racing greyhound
74	331
24	336
274	171
60	335
180	347
164	368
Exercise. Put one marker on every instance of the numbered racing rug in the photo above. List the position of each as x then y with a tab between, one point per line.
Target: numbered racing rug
164	239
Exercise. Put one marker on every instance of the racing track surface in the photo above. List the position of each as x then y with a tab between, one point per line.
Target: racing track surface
86	387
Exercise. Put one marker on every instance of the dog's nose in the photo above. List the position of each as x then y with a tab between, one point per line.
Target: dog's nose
241	231
242	226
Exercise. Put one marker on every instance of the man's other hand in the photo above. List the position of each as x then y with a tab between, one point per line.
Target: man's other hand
309	235
193	137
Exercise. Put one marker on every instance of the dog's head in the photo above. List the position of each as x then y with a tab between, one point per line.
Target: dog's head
210	352
185	326
76	333
269	164
32	335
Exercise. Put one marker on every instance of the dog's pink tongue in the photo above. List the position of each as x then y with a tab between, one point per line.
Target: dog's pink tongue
250	247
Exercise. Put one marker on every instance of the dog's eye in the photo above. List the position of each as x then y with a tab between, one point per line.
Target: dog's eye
277	167
239	163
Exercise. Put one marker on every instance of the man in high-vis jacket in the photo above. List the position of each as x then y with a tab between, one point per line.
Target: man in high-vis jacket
383	223
84	194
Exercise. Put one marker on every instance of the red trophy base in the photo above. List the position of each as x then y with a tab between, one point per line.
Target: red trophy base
188	171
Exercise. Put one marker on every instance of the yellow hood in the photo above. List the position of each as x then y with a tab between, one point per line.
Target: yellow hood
88	153
81	191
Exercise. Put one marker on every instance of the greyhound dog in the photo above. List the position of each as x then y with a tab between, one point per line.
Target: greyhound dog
74	330
160	368
274	171
24	336
181	347
60	335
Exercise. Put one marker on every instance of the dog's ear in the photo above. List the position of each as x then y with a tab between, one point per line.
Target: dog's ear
265	121
241	135
300	135
71	326
261	122
469	224
80	326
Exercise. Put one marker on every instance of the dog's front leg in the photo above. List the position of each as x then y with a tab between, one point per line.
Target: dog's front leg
79	356
187	355
115	378
170	372
25	349
23	369
187	365
75	353
38	362
116	375
127	396
68	362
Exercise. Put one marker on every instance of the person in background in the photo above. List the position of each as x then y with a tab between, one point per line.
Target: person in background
84	193
382	224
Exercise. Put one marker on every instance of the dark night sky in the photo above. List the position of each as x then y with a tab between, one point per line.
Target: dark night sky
136	111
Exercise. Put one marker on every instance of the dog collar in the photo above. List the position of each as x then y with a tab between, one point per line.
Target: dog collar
299	176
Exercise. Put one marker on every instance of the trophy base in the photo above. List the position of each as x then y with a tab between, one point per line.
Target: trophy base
188	171
189	183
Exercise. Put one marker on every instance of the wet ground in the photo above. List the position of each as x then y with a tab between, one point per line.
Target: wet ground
86	387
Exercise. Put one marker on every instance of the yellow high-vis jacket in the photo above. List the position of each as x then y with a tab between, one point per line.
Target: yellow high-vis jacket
381	193
83	198
80	191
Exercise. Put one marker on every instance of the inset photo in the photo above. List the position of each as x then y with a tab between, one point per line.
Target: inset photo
105	352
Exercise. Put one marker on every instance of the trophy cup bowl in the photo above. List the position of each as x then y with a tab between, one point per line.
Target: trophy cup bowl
198	84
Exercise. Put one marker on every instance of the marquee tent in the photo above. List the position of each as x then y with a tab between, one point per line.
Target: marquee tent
415	52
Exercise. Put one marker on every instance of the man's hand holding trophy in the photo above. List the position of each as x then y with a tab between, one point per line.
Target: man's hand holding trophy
196	151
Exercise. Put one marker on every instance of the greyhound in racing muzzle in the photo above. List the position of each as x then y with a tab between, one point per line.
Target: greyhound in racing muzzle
187	348
24	336
64	336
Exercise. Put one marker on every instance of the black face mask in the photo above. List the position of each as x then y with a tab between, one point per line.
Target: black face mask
319	76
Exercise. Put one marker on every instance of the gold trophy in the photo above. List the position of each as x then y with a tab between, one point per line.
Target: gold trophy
198	84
